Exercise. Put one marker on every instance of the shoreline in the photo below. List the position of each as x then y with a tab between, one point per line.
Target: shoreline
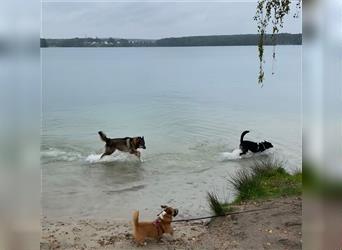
278	228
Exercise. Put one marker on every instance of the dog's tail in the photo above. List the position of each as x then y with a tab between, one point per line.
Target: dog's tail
103	136
135	218
243	134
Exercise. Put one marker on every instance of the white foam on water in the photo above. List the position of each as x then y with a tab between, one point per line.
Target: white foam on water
235	155
60	155
115	157
93	158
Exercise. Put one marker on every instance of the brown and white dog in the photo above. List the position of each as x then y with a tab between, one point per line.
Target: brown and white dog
127	144
153	229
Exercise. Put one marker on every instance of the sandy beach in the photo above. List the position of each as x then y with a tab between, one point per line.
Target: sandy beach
276	228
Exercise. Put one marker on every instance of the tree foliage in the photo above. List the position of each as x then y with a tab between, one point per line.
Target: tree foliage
271	13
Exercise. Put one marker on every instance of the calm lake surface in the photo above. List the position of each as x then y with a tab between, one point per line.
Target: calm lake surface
190	103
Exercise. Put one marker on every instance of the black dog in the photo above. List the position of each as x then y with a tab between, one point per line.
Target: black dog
253	146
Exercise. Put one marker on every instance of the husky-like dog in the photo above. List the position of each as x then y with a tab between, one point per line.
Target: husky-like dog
127	144
253	146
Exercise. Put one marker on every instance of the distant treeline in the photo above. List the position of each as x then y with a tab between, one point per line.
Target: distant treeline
220	40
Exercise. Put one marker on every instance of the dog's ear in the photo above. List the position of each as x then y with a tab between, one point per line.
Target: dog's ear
143	138
163	206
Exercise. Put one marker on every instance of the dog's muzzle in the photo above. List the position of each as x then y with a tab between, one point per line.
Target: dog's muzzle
175	212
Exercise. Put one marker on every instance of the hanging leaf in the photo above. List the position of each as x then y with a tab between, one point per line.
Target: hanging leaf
270	12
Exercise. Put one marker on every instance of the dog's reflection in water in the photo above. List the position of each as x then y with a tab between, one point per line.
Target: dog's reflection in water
153	229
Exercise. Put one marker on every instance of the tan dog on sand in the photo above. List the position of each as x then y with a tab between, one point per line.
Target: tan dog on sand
153	229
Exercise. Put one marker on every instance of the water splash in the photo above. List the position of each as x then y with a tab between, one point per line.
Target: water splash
116	157
60	155
234	155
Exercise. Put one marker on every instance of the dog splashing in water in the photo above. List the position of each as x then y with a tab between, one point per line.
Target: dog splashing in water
127	144
254	147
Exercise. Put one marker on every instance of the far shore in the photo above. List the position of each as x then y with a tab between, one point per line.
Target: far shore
187	41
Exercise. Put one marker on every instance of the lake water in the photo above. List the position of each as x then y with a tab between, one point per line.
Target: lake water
190	103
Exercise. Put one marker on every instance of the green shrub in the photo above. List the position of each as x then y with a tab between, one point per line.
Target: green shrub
265	179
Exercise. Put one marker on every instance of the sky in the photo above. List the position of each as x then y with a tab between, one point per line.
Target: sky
151	20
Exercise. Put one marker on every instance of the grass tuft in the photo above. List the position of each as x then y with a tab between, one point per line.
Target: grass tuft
268	168
216	206
265	179
245	184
